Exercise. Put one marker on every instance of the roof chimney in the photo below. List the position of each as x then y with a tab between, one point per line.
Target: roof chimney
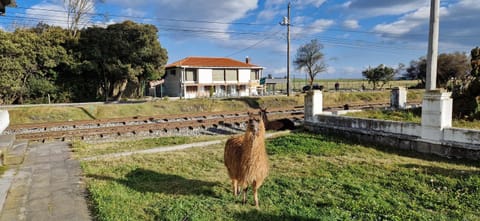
247	60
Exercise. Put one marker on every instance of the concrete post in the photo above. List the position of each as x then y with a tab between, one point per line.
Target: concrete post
437	104
313	105
4	120
436	114
398	98
432	53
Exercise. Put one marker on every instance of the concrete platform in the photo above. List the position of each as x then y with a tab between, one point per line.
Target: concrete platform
47	185
6	143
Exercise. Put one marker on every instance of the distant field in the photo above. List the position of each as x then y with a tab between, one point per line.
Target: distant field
312	177
347	84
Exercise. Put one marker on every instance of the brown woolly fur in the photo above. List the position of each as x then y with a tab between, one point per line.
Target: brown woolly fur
246	158
280	124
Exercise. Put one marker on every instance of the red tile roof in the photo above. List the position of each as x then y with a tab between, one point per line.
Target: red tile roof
210	62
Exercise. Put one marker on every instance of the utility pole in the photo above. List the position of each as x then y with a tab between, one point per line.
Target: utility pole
286	22
432	54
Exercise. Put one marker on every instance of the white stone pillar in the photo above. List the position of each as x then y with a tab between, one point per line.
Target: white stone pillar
4	120
432	53
398	98
436	114
313	105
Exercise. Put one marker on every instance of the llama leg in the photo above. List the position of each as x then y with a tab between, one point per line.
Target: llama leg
255	195
245	196
235	187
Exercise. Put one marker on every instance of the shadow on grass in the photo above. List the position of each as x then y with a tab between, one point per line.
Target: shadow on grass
452	173
258	215
87	113
351	140
143	180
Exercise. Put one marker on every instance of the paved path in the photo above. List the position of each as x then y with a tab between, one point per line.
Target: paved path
47	186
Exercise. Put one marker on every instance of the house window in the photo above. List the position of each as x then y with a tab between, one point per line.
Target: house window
191	74
218	75
254	75
172	72
231	74
191	89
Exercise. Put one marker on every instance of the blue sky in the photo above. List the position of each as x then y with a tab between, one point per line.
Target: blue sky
356	34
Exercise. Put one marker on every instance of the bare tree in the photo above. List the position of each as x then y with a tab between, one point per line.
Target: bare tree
310	58
79	12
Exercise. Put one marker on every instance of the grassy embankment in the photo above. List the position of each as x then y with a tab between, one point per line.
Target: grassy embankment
160	107
312	177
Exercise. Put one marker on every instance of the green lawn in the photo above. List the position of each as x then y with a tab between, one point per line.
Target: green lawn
409	115
312	177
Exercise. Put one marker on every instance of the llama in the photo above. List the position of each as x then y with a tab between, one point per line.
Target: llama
246	159
280	124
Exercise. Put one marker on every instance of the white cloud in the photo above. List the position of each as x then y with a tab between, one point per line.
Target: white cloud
351	24
268	14
52	14
131	12
209	11
316	3
373	8
315	27
331	70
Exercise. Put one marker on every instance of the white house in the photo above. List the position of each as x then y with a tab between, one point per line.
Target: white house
194	77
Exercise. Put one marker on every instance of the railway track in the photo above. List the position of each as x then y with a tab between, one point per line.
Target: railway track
186	124
164	125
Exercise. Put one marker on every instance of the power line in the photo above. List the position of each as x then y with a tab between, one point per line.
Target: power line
253	45
156	18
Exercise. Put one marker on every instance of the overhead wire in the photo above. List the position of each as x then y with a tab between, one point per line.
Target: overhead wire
353	43
253	45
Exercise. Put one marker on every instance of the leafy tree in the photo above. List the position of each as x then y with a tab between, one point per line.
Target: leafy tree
417	70
29	60
4	3
379	76
11	69
452	65
121	54
466	92
310	59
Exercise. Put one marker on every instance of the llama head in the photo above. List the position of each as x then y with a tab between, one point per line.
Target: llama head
253	123
263	114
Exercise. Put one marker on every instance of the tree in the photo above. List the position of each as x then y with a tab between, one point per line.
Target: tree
78	13
417	71
29	61
450	65
310	59
4	3
465	93
379	76
121	54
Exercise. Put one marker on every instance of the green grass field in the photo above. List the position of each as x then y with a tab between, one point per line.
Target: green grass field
312	177
410	115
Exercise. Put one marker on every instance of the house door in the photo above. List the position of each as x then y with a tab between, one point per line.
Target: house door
232	90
